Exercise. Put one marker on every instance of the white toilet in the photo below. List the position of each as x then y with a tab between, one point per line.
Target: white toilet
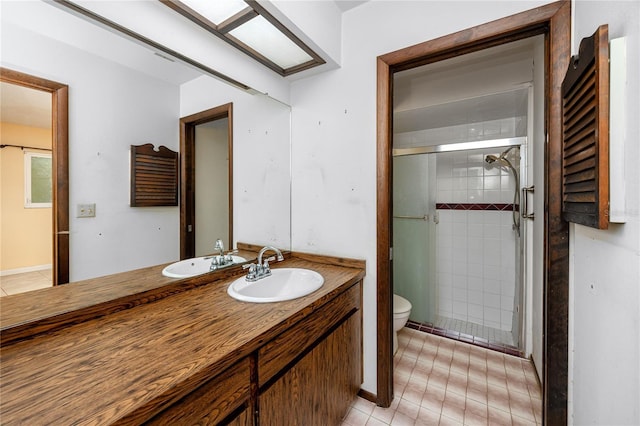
401	312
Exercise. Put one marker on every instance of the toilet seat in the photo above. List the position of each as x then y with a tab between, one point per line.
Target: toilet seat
400	305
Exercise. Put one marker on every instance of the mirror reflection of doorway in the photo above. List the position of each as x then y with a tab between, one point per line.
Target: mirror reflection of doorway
206	181
212	185
57	235
27	189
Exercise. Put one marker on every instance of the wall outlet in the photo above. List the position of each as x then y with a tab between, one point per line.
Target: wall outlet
86	210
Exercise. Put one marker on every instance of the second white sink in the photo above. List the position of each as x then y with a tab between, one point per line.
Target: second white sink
192	267
283	284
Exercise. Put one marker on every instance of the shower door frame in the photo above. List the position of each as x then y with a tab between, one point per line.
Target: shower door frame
554	22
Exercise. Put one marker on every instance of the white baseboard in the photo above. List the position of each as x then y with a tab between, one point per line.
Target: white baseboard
25	269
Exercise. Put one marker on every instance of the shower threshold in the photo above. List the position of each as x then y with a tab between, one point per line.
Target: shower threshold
458	330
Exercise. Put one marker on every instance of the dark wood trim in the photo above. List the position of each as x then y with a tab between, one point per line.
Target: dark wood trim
553	20
556	258
60	157
384	291
368	396
187	173
236	20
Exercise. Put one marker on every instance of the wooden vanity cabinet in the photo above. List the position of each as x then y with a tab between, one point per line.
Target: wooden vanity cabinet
224	399
310	374
306	376
302	364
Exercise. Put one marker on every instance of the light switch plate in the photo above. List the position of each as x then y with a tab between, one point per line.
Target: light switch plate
86	210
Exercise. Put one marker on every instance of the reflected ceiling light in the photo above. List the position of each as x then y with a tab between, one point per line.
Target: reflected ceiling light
216	11
267	40
247	26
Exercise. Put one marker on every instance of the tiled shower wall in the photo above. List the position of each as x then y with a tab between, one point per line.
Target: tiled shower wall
475	249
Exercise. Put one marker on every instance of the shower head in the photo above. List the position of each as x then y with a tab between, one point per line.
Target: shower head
491	159
501	159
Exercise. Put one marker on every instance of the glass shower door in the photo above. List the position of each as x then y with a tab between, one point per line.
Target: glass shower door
413	234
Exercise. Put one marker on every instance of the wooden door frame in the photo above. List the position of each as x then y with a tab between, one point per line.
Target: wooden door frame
60	158
187	173
554	21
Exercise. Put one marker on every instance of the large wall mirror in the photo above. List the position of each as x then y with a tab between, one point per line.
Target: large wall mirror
122	93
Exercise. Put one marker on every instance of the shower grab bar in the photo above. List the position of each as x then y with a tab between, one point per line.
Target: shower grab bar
425	217
525	205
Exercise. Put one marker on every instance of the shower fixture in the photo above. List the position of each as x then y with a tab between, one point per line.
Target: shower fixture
503	161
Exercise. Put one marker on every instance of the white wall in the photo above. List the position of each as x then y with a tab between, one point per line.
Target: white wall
334	134
110	108
605	265
261	159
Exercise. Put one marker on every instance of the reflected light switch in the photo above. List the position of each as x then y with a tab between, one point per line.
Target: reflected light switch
86	210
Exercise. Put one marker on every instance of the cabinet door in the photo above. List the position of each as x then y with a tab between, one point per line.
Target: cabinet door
223	399
320	387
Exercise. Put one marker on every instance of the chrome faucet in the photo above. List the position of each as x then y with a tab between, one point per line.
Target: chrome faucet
261	269
221	260
219	246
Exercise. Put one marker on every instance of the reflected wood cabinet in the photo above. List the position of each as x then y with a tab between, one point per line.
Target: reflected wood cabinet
308	375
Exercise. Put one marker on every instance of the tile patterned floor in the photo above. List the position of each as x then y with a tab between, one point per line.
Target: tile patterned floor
19	283
438	381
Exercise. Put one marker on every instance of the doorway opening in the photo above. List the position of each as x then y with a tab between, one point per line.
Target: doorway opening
553	21
464	136
206	168
45	169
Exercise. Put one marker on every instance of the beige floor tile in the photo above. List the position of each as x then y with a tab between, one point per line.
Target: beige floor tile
383	414
364	405
401	419
432	388
427	417
355	417
499	417
28	281
375	422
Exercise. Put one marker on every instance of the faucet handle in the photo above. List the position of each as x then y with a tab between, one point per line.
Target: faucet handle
252	267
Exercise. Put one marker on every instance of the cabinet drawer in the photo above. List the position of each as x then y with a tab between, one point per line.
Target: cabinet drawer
278	353
213	401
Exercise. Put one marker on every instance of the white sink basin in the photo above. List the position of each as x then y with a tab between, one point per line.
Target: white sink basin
195	266
283	284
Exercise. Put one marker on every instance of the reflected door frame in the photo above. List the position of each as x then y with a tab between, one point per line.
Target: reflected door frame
187	174
60	159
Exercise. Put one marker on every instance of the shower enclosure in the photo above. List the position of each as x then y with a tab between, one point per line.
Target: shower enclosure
457	245
458	240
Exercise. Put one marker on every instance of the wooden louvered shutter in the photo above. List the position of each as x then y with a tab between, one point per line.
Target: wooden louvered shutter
154	176
585	133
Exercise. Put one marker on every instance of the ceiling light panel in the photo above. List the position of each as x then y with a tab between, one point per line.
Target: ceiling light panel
249	27
261	36
216	11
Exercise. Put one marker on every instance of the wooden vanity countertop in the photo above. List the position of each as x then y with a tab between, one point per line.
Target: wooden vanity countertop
126	366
